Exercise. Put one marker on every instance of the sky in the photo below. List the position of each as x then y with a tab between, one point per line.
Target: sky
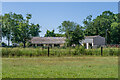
50	15
60	0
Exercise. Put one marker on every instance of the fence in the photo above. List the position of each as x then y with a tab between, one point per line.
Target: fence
113	45
69	51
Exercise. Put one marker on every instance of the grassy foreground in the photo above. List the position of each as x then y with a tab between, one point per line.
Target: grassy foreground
60	67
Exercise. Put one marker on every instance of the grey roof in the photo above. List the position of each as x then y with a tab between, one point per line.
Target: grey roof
48	40
91	37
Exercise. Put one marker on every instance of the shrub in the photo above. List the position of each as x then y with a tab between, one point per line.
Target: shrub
3	44
21	44
89	52
28	44
79	50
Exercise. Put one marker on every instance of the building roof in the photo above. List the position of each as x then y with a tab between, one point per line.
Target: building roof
91	37
48	40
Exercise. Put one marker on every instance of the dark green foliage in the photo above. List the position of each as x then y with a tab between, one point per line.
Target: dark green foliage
73	32
53	34
3	44
79	50
50	33
105	25
34	29
17	29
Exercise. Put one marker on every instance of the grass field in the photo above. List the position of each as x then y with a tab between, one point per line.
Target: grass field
60	67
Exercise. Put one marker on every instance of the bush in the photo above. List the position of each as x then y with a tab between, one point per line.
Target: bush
3	44
79	50
28	44
21	44
111	52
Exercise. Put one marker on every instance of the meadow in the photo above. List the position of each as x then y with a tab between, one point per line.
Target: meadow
60	67
62	63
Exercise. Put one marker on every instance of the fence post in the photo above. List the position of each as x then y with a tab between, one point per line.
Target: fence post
101	51
48	51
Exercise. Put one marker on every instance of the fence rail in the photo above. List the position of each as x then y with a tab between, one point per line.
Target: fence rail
113	45
6	52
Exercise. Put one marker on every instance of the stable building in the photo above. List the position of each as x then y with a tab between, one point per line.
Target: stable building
48	41
93	41
88	41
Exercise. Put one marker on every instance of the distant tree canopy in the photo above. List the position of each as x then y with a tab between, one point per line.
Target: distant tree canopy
106	23
17	29
73	32
50	33
53	34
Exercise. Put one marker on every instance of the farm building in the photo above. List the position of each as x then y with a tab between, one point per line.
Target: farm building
93	41
51	41
89	41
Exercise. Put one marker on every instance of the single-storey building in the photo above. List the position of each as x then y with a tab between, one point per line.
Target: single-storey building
48	41
93	41
89	41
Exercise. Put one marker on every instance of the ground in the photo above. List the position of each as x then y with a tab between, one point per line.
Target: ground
60	67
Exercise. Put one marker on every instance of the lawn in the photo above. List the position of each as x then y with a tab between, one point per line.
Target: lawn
60	67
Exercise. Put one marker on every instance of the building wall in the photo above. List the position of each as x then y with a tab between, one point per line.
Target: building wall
61	45
50	45
87	41
99	40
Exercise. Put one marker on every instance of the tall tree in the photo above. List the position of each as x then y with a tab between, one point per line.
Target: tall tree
102	25
7	24
88	26
25	30
0	28
18	18
73	32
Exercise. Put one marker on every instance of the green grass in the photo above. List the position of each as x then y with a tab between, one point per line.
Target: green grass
60	67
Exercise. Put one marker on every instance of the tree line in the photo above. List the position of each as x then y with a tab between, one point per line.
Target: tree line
18	29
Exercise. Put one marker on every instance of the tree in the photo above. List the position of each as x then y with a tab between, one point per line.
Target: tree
59	35
115	33
53	34
73	32
89	29
77	35
18	18
18	29
7	24
107	21
0	28
25	31
34	29
50	33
